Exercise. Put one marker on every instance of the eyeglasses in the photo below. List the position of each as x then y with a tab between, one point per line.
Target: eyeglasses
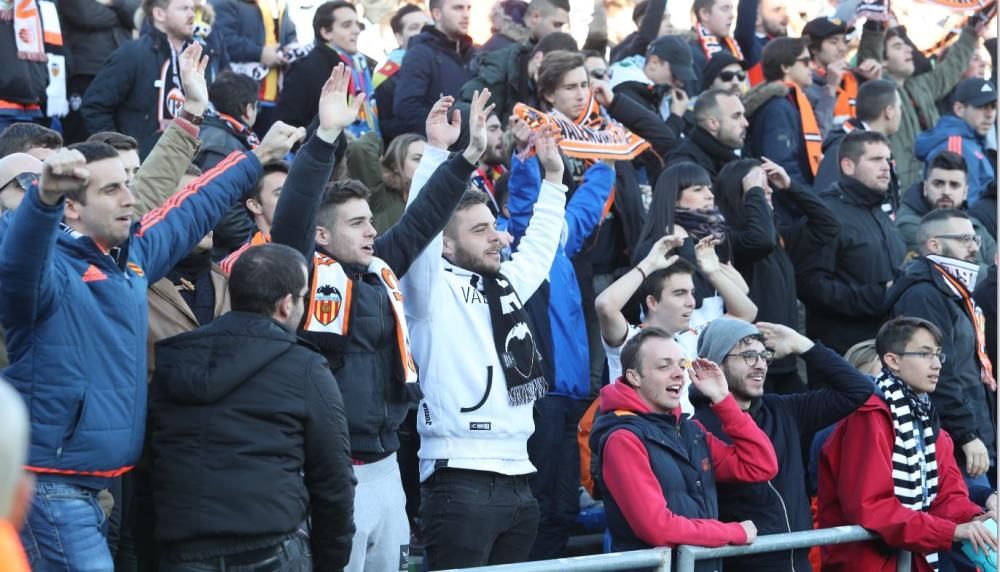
599	74
24	180
750	357
965	239
727	76
941	356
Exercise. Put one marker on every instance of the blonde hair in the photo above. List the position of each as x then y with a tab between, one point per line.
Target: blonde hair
863	356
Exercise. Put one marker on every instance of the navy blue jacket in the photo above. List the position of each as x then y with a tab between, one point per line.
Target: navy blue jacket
239	25
564	314
433	66
781	505
76	322
776	133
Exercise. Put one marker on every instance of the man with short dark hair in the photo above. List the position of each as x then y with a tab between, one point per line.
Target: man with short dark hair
246	373
337	28
843	285
944	188
477	410
744	351
31	138
74	270
719	133
656	468
435	63
783	125
260	41
128	152
406	23
139	89
877	108
660	79
258	204
975	112
713	32
938	287
889	466
544	17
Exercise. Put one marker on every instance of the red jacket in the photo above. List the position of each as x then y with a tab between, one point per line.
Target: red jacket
629	478
855	487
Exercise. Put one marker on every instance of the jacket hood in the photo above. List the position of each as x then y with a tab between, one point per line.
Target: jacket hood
436	39
946	127
509	27
619	396
761	94
914	198
206	364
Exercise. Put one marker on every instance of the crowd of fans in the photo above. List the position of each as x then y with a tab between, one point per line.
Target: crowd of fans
287	299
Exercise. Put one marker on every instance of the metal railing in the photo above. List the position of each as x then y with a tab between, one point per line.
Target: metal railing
688	555
659	559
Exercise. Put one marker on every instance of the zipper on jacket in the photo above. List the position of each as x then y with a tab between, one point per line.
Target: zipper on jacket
385	382
784	509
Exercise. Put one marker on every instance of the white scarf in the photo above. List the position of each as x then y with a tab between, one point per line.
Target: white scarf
965	272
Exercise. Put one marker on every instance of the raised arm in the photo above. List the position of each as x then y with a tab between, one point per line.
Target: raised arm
738	304
162	170
298	205
948	72
750	458
427	213
609	303
745	33
757	238
27	275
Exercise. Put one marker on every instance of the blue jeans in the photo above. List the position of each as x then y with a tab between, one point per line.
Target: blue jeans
10	116
66	530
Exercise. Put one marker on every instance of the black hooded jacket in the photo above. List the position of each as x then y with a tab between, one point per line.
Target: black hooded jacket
702	148
249	439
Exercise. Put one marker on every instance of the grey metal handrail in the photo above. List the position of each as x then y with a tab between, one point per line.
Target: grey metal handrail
658	559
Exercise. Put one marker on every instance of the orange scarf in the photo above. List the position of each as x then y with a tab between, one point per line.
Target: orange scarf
978	325
590	136
810	127
711	45
847	95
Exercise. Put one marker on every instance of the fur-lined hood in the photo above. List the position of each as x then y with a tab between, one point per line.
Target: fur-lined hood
508	26
761	94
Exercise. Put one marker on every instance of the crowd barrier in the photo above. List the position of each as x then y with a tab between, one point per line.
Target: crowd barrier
661	559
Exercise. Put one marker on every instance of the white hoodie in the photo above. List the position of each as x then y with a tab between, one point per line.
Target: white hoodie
452	337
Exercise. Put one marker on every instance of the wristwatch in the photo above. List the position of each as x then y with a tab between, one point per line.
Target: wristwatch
190	117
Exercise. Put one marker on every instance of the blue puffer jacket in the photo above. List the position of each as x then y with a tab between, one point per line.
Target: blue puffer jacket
933	141
76	321
570	358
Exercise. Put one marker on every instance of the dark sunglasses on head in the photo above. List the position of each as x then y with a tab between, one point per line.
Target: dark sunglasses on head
23	180
729	75
599	74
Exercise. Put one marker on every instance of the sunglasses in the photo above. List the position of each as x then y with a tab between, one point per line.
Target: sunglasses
727	76
24	180
599	74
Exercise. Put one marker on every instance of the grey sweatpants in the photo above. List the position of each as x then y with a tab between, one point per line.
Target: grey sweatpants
382	539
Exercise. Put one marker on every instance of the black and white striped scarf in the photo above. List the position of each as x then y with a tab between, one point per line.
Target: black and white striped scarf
913	469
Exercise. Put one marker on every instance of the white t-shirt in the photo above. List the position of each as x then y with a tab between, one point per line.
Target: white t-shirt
688	340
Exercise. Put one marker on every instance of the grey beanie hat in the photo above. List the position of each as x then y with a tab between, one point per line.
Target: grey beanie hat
721	336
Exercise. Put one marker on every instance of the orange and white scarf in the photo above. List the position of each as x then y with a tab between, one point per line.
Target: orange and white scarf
711	45
590	136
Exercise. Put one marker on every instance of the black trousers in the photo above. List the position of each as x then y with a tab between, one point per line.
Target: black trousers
476	518
291	555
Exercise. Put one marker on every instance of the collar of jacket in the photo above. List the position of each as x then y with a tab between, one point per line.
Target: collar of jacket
761	94
712	146
460	46
857	193
159	38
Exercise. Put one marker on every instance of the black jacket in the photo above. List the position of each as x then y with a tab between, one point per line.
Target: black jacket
124	95
366	362
702	148
843	285
240	27
967	408
244	414
637	110
986	297
299	99
781	505
94	31
22	81
829	169
985	209
218	140
433	66
761	254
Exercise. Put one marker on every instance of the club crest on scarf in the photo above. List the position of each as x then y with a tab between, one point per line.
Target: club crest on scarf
328	303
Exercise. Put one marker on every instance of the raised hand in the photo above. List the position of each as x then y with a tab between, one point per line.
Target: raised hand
547	149
705	255
192	69
659	256
602	93
755	178
479	112
63	172
870	69
783	340
278	141
776	174
521	131
441	133
335	112
707	376
834	75
679	102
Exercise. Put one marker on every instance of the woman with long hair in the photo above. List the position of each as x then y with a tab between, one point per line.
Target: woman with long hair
388	176
763	250
683	205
